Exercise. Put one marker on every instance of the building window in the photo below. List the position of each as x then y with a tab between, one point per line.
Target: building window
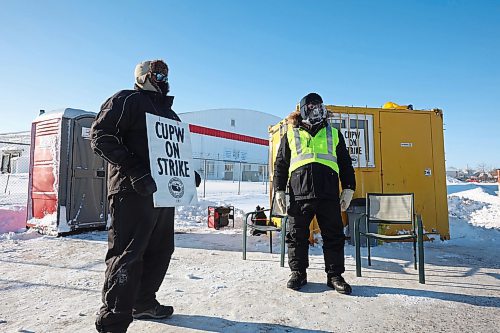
7	159
210	168
233	123
228	167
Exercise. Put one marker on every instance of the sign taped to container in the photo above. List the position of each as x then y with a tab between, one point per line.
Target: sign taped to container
358	134
170	158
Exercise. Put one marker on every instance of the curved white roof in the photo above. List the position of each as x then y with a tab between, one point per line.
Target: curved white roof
241	121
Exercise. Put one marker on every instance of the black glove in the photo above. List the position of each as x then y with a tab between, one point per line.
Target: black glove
197	179
141	180
144	185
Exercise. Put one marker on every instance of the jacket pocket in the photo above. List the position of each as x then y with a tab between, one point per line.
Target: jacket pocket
301	182
331	185
327	185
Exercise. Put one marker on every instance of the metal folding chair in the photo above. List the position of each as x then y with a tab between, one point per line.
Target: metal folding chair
270	226
395	208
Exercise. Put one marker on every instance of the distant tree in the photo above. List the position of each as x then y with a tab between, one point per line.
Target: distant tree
482	167
493	172
469	170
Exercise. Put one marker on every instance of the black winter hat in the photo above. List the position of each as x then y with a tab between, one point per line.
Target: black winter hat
311	98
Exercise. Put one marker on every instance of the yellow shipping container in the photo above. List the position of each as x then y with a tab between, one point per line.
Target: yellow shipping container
393	151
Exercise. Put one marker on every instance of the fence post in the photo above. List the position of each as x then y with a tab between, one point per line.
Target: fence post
239	180
7	183
266	174
204	178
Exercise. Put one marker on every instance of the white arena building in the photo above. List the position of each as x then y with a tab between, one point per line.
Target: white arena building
230	144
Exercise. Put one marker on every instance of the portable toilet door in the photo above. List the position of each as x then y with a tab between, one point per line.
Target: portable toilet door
67	185
44	174
86	204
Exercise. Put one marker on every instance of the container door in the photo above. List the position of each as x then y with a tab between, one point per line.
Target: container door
407	160
88	202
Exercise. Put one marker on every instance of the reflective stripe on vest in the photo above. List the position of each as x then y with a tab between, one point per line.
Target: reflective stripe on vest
305	149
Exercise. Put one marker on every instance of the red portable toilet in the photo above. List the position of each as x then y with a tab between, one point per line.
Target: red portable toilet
67	181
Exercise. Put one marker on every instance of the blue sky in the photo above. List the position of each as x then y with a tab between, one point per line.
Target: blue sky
263	55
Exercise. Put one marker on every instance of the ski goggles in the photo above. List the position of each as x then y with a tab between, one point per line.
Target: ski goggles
314	105
160	77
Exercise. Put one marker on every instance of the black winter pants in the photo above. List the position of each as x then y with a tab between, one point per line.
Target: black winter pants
300	215
140	245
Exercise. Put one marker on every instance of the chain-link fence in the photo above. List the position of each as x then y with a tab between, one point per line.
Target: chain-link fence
231	177
218	176
14	170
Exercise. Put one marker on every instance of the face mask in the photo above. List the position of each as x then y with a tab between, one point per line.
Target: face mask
313	114
164	87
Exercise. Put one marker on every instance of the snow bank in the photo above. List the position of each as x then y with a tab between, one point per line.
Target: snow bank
14	236
12	219
451	180
477	207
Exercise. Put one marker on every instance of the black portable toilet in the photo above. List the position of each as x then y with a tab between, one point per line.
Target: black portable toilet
67	181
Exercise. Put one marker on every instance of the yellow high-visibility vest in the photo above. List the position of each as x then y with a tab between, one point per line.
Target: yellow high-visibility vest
305	149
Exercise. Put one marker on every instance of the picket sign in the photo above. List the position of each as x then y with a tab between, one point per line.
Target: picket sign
170	159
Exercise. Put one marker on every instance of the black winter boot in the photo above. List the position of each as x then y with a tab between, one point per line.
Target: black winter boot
297	280
338	283
158	311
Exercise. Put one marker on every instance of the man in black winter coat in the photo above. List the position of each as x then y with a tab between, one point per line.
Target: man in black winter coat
311	158
141	237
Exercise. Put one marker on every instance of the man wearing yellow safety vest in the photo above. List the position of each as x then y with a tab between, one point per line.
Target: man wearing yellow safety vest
311	159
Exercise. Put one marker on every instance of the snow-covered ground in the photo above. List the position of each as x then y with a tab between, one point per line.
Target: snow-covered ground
13	199
50	284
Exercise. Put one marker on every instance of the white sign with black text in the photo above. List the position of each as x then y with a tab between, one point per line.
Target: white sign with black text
357	130
355	143
170	159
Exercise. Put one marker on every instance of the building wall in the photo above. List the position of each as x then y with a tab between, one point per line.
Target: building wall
221	156
15	152
247	122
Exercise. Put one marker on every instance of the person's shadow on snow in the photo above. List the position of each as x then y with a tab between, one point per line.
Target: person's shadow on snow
221	325
313	288
375	291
